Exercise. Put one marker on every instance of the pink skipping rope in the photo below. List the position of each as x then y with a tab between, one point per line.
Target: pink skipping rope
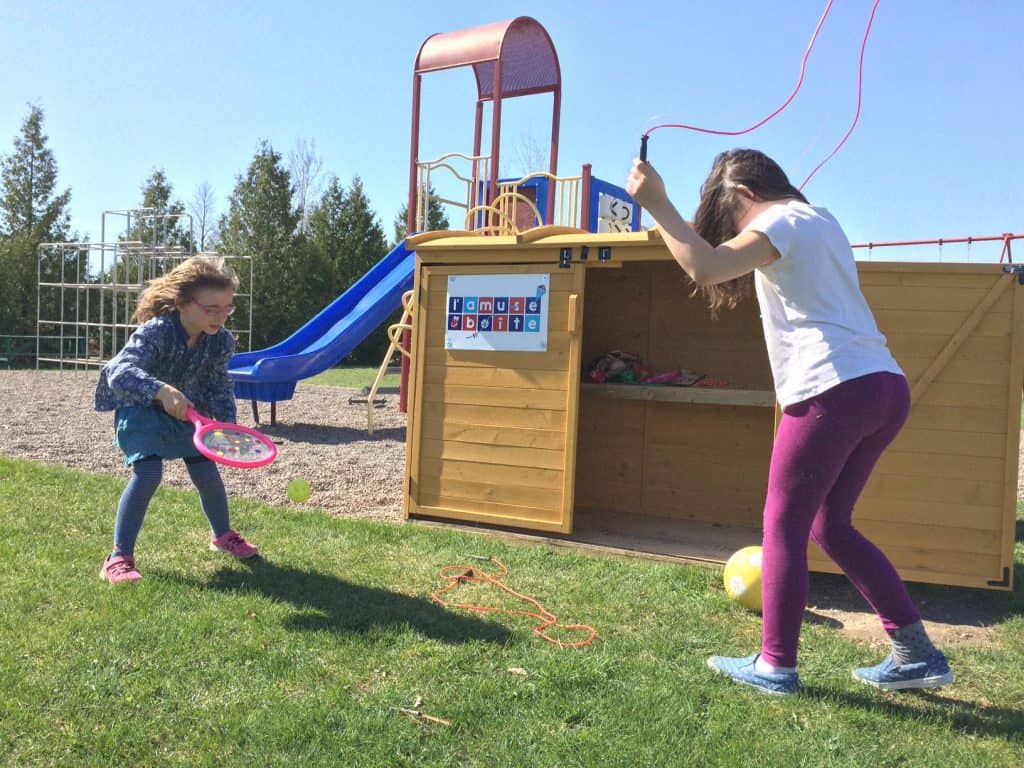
803	67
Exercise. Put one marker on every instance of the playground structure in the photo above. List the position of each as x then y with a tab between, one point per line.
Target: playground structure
92	288
509	59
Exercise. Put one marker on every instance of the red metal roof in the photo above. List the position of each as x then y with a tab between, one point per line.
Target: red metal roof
528	59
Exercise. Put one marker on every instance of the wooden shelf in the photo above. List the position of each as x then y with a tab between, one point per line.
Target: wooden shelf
705	395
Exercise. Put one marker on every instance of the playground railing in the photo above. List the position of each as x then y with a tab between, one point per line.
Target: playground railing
480	168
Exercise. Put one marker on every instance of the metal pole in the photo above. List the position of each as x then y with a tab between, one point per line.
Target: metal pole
39	300
495	131
60	349
555	124
414	149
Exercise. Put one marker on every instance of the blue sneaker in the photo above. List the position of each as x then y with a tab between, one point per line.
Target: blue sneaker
892	676
742	670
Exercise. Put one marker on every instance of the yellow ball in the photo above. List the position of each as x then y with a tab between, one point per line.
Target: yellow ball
298	490
742	577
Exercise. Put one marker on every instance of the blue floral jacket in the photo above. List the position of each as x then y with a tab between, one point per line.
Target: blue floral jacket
157	354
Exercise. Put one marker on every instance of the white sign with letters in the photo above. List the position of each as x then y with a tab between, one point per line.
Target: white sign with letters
500	313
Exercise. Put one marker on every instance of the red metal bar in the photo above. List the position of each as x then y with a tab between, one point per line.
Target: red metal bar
492	191
414	149
585	202
942	241
477	139
1006	249
556	110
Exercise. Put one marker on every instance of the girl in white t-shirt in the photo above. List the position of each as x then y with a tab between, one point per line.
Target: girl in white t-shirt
844	399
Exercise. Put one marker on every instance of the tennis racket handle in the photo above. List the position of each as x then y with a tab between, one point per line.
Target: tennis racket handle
194	416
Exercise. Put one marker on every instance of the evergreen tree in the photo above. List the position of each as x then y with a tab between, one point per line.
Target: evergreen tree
344	229
325	228
31	212
28	178
18	295
169	226
261	223
436	217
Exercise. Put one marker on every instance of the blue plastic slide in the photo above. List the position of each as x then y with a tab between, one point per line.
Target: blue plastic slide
270	374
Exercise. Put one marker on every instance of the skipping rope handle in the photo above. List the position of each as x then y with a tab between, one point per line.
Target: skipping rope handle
643	148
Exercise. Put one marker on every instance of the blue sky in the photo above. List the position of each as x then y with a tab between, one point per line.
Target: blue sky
193	87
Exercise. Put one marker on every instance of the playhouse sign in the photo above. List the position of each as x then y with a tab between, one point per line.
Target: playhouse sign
498	313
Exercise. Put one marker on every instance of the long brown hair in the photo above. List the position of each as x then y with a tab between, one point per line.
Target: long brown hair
719	199
166	293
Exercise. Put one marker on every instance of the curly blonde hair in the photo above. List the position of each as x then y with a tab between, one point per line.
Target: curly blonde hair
178	287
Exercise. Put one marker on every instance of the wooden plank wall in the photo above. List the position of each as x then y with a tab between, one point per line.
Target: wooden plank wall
935	502
674	460
493	425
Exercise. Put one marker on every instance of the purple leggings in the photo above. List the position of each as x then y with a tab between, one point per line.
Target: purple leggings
824	452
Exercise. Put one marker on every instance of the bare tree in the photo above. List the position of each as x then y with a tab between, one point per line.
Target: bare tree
202	209
306	170
530	157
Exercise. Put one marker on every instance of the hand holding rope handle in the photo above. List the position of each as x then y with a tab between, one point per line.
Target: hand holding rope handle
799	83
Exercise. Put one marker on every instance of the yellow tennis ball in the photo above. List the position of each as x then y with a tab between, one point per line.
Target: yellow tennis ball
742	577
298	490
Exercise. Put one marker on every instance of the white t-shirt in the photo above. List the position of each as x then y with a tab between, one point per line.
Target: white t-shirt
817	324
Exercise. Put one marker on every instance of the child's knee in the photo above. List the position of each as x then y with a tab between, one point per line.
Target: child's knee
148	470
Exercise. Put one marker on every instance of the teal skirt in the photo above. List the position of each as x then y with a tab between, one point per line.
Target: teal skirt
141	431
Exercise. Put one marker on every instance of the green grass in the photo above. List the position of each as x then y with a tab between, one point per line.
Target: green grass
303	657
354	376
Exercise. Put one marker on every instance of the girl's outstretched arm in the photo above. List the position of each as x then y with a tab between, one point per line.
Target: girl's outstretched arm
706	265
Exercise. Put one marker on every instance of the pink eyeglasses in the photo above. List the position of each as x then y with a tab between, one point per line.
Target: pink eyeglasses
213	309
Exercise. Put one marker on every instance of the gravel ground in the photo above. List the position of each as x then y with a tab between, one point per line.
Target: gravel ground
48	416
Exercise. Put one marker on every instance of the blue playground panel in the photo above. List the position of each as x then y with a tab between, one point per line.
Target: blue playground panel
542	185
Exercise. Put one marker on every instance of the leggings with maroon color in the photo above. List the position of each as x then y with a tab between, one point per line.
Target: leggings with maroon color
824	452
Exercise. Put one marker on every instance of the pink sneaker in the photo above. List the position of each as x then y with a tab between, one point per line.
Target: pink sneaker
234	543
118	568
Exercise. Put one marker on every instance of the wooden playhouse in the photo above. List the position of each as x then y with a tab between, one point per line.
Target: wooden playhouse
510	436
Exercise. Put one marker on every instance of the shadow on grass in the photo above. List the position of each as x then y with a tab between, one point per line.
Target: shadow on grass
964	717
325	602
936	603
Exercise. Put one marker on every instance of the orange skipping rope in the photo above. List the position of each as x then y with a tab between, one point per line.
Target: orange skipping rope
457	575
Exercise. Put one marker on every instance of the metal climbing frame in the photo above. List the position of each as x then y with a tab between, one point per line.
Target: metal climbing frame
87	291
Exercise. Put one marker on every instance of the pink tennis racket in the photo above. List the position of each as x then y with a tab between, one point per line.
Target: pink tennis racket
231	444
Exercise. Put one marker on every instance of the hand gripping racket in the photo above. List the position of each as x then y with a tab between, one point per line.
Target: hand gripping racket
231	444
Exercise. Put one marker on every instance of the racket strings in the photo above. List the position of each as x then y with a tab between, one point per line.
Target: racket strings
235	444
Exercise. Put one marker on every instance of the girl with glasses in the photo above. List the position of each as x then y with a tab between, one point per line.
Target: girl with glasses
177	358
